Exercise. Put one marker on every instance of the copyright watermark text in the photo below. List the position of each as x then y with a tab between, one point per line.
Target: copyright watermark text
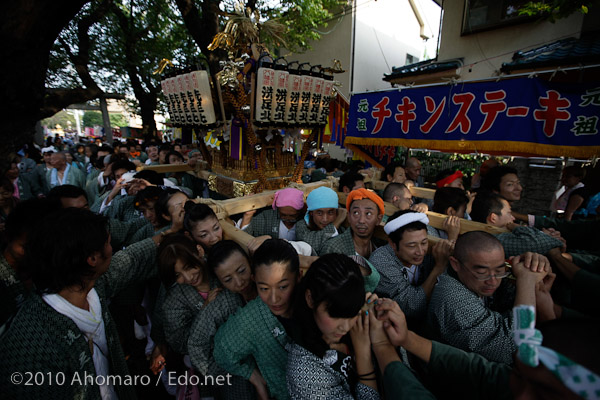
84	378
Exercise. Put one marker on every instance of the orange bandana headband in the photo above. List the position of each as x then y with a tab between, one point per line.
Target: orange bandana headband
360	194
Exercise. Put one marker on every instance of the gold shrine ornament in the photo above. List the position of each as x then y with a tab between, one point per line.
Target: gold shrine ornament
162	65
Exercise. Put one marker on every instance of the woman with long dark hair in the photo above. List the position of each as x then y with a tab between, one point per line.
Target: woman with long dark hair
326	362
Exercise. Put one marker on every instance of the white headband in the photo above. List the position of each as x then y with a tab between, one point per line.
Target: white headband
405	219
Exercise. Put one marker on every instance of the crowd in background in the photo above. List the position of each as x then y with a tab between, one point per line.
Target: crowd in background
113	271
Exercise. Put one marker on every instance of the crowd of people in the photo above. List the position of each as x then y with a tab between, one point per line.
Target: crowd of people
100	263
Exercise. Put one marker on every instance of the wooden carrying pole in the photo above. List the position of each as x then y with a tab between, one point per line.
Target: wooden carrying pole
164	168
423	193
226	208
256	201
265	199
230	232
437	220
420	192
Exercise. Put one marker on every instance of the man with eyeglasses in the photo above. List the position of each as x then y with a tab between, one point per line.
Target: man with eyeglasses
470	307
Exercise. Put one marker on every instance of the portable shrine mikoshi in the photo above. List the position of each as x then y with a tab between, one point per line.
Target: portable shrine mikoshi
254	110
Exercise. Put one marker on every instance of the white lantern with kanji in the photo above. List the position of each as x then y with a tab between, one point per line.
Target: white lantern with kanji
176	98
293	95
315	99
265	81
280	94
169	100
180	85
203	97
325	100
305	96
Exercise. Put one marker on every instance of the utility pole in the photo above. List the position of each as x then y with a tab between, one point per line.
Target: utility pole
108	136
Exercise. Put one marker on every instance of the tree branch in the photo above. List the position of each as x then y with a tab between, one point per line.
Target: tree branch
146	99
203	27
57	99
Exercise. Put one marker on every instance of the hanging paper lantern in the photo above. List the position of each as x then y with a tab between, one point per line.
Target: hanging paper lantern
192	102
280	86
305	96
171	83
200	85
265	80
170	101
293	95
326	99
188	120
316	96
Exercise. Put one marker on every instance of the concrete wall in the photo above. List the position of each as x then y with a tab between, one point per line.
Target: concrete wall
489	49
335	44
386	30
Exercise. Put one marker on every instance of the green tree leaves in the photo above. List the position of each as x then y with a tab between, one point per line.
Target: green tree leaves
555	9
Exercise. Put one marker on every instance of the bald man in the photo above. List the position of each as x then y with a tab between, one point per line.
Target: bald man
413	171
471	306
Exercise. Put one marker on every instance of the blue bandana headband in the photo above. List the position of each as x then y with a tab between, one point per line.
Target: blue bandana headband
321	197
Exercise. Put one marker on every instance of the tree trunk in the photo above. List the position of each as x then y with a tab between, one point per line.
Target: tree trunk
28	30
146	97
57	99
108	135
147	107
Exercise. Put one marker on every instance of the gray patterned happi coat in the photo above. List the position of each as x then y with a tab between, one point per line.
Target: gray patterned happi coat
462	319
340	244
316	239
253	332
265	223
524	238
12	291
311	377
183	305
394	284
75	178
39	339
122	208
201	344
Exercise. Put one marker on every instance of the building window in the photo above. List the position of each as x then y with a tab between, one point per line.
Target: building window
481	15
410	59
